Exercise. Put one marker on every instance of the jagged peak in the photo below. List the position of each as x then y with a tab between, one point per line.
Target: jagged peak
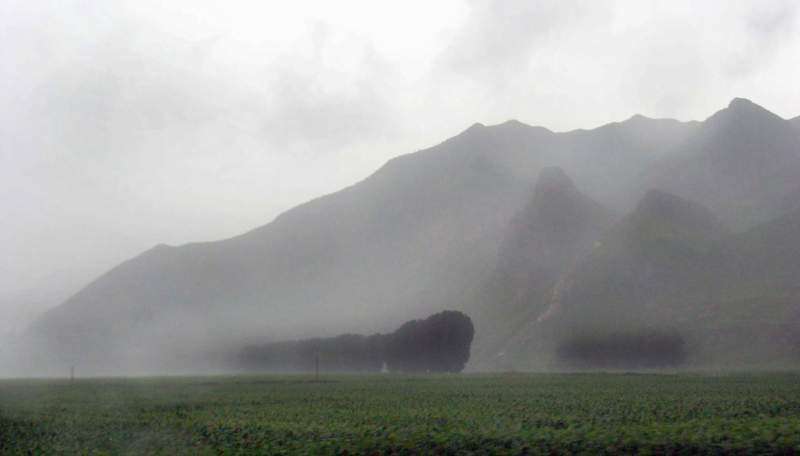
637	118
742	103
667	206
553	178
158	249
664	215
747	107
655	198
743	115
476	128
513	123
739	107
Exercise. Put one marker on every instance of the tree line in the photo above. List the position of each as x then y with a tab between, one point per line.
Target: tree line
439	343
635	349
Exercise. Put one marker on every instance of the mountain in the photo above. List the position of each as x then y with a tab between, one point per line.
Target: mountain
469	225
791	202
555	230
744	306
670	274
407	240
604	159
419	235
741	163
657	247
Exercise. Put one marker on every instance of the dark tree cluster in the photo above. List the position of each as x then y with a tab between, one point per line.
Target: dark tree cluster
626	350
440	343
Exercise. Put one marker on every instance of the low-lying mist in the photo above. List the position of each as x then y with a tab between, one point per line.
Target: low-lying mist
564	249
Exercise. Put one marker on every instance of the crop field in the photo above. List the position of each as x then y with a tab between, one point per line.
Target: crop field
380	414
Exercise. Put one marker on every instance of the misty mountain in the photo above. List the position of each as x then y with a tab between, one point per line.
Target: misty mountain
652	250
656	248
791	202
429	230
741	163
604	160
419	235
406	240
556	229
743	305
670	271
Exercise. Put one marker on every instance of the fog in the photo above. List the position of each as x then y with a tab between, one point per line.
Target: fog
130	124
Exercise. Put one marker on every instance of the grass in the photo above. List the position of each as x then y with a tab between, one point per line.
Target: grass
480	414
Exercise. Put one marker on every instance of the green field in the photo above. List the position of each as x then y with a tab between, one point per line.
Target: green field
480	414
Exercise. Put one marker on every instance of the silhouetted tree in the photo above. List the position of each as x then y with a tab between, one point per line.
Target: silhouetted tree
646	348
440	343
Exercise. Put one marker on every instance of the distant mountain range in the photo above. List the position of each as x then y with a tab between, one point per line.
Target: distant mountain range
520	227
740	163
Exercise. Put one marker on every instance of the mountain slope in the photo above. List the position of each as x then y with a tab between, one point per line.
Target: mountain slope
744	307
406	240
669	274
417	236
791	202
555	230
741	162
659	246
430	229
611	161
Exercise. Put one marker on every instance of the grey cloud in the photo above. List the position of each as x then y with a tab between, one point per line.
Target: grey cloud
773	19
501	37
767	25
305	107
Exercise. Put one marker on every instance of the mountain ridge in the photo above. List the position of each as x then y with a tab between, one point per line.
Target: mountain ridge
422	233
556	229
740	162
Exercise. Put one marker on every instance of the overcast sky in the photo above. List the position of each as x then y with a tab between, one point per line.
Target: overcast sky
124	124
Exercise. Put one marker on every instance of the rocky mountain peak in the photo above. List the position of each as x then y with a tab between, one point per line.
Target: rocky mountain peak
553	179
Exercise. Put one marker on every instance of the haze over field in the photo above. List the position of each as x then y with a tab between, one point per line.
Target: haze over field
162	167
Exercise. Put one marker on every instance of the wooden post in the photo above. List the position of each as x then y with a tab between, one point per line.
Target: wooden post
316	366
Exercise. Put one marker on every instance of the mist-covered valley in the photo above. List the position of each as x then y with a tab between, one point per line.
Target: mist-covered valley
645	243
